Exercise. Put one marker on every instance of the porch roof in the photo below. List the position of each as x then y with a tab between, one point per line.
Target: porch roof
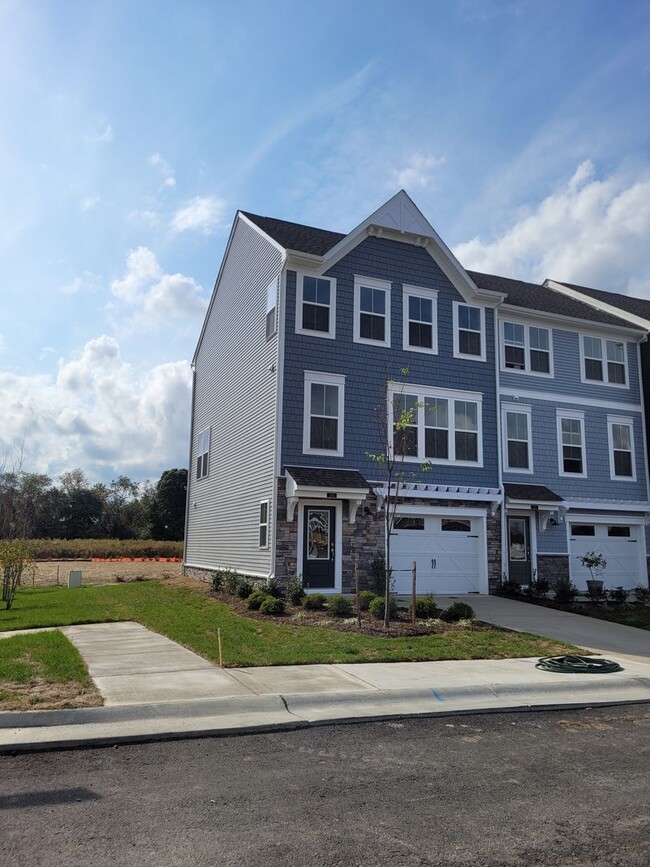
324	477
530	494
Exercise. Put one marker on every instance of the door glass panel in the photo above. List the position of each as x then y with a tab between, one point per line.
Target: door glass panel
618	532
409	523
517	534
455	525
583	530
318	535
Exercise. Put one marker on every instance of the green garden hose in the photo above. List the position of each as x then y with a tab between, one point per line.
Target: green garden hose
578	665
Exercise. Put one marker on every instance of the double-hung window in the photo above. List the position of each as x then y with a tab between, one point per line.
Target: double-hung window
527	348
263	538
621	448
571	443
517	430
371	311
323	413
436	425
603	361
420	319
271	303
316	306
203	453
469	331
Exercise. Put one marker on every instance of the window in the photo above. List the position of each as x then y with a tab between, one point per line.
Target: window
527	348
621	448
405	523
316	306
264	524
271	300
420	319
619	532
517	429
455	525
323	416
203	453
469	327
437	425
571	443
372	311
604	361
583	530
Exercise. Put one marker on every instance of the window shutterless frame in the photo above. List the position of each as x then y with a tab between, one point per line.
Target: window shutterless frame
603	361
420	319
263	536
203	453
517	436
572	461
469	331
316	305
323	417
372	311
620	436
526	349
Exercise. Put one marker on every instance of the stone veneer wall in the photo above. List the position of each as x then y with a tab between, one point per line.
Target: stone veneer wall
552	566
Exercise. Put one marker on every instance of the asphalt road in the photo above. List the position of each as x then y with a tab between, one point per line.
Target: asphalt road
555	788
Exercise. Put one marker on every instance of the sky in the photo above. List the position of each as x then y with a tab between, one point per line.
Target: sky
132	131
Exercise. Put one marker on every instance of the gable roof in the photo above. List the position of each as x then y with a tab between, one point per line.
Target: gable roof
295	236
639	307
533	296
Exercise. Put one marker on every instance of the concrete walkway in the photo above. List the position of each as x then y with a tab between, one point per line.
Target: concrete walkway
154	688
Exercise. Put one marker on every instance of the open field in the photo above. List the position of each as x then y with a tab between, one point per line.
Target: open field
51	572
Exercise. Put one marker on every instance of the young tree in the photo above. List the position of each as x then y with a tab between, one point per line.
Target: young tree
15	555
167	507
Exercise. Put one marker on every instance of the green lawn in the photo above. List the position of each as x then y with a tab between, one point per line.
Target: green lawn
192	618
43	670
638	616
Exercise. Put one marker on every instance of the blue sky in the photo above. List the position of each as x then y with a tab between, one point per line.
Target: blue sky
132	131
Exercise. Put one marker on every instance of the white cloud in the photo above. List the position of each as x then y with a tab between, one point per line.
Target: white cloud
201	214
88	282
588	231
3	345
154	294
99	413
418	173
158	162
102	134
147	216
88	202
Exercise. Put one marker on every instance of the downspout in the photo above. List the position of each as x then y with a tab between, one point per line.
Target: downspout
497	379
279	395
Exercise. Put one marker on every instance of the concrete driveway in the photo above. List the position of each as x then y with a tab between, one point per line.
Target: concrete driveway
597	636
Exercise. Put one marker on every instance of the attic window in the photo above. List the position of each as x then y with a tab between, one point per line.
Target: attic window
271	301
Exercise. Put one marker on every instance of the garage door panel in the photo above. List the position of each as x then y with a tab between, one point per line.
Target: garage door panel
623	556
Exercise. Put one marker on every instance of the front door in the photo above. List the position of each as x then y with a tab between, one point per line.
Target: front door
519	550
319	547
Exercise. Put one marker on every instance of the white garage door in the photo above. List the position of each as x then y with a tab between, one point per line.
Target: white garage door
446	549
620	545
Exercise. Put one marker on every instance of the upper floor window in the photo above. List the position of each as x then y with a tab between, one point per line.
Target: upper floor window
604	361
264	525
437	425
526	348
469	331
323	413
371	311
420	319
271	302
517	431
621	448
571	443
203	453
316	306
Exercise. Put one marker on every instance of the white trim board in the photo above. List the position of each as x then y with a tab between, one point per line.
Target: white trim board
511	392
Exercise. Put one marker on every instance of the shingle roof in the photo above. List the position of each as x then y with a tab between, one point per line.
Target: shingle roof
638	306
532	296
315	477
294	236
531	493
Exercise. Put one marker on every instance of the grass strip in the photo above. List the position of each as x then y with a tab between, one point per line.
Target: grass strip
192	618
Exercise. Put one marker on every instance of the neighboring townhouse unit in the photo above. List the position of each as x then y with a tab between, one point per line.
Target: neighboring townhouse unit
313	344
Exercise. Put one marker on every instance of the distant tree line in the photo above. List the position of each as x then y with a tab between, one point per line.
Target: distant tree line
32	506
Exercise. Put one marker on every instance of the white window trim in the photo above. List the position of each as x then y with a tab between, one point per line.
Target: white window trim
315	376
457	352
522	410
262	524
205	475
527	349
450	395
629	422
603	343
418	292
328	335
575	414
372	283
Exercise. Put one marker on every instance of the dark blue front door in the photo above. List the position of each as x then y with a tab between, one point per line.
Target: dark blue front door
319	546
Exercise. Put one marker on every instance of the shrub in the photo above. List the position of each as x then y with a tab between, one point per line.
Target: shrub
425	608
295	590
217	581
564	591
15	557
377	607
256	598
618	596
642	594
272	588
539	587
378	574
244	588
340	606
314	602
508	587
596	592
272	605
230	581
458	611
365	598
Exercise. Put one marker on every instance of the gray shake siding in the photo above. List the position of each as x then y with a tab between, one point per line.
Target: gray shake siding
235	396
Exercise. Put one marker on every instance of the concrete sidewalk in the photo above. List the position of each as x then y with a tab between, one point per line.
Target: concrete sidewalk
155	689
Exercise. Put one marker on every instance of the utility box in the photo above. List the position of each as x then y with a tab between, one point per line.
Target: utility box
74	578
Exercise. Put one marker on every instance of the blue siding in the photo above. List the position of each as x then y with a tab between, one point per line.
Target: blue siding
367	368
567	372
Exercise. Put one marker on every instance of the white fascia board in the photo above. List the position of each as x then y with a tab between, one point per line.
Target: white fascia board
598	304
613	505
261	232
572	322
297	261
551	506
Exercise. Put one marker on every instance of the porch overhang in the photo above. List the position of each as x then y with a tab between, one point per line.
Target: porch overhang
538	498
464	493
318	483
